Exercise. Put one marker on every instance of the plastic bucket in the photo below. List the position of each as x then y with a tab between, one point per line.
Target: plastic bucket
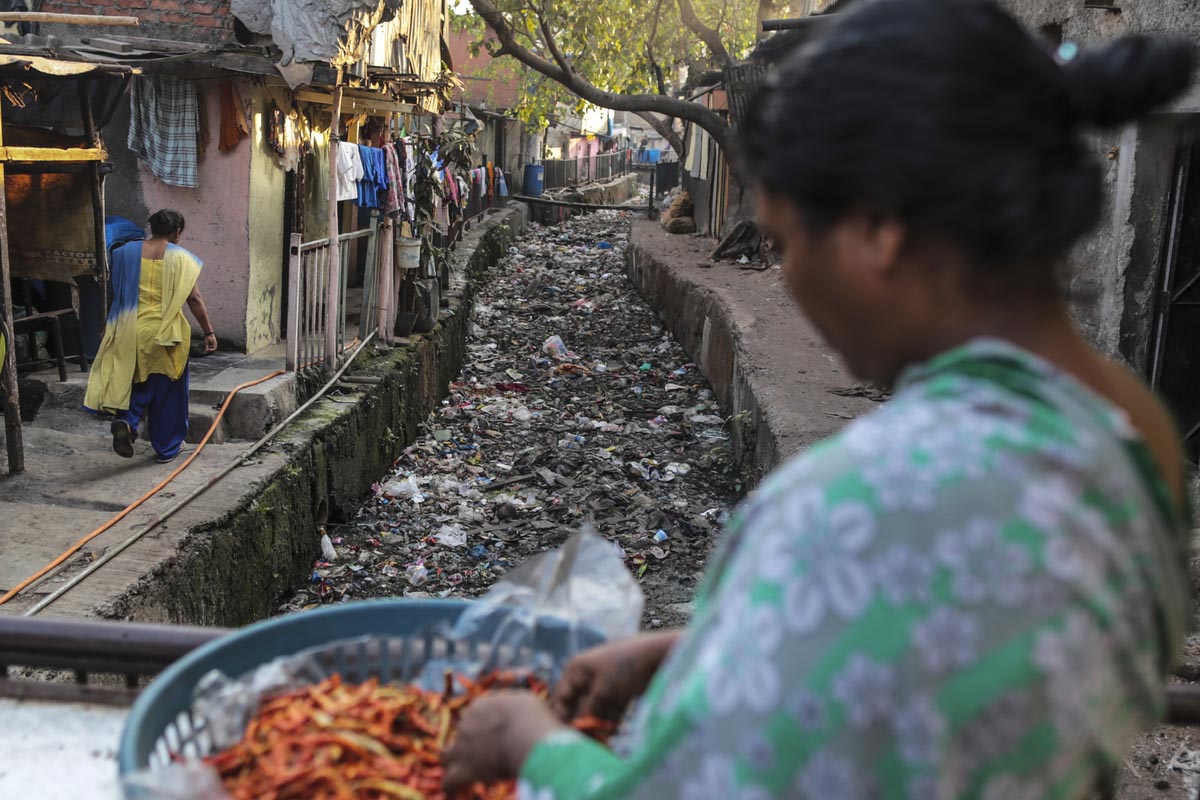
534	184
408	253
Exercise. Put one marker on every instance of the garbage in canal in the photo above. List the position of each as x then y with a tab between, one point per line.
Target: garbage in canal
451	536
554	347
536	440
327	548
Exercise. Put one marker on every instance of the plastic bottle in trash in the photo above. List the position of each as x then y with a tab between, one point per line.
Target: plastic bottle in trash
417	574
327	548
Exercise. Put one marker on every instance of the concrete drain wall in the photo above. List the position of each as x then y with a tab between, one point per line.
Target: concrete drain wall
236	569
702	324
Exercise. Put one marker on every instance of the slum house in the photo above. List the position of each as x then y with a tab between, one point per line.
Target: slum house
52	243
1135	281
706	174
238	134
230	123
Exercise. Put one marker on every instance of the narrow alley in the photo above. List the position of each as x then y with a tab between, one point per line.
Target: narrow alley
575	407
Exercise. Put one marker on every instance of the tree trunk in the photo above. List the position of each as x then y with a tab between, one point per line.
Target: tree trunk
664	129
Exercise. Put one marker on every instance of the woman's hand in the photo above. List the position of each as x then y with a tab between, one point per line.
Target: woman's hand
603	681
210	343
494	738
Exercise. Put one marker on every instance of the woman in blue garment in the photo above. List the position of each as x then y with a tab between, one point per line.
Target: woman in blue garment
141	369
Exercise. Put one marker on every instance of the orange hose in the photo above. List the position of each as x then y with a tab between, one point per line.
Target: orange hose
44	571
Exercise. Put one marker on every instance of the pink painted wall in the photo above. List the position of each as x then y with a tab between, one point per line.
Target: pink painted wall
218	231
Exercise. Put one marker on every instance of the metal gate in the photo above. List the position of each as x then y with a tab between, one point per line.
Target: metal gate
1174	364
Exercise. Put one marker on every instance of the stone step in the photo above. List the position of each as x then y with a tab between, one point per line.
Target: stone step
200	419
254	410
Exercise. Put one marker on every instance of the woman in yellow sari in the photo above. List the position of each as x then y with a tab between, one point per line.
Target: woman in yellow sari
141	369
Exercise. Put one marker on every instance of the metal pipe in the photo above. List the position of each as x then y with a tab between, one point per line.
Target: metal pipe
334	283
114	552
67	642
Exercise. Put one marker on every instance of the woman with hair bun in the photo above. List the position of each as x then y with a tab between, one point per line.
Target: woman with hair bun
141	368
978	590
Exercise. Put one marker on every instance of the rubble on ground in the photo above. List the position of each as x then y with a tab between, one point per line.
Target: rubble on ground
575	407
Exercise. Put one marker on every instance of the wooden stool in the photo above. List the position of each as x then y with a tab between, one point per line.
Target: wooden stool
51	322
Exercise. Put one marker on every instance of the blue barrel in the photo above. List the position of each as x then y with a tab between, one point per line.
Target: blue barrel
534	184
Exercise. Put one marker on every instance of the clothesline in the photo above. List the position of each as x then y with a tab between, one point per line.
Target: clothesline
386	178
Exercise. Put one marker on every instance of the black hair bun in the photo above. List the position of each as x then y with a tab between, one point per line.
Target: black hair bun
1127	78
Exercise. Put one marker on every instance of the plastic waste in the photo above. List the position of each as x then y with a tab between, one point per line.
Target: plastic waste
451	536
405	489
555	347
327	550
416	574
585	582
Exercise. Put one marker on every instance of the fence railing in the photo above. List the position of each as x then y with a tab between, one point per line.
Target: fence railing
309	297
478	200
563	172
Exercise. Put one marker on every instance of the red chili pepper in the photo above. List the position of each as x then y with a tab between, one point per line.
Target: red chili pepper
334	741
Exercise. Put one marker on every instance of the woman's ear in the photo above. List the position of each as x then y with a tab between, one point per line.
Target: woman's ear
874	241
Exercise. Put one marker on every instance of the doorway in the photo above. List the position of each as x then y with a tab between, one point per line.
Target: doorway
1174	363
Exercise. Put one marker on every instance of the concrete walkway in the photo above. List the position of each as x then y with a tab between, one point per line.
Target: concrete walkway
74	482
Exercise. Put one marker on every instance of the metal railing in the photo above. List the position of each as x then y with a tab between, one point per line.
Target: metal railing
561	173
478	200
309	290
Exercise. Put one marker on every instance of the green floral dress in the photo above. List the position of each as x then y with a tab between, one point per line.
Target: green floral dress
974	592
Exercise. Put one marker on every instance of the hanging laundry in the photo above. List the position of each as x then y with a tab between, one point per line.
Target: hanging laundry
203	137
233	118
316	185
374	179
284	135
164	127
501	184
395	179
350	171
491	181
410	179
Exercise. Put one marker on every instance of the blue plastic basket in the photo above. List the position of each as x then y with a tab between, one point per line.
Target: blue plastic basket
387	639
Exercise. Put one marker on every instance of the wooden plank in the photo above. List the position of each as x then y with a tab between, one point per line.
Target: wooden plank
35	154
355	102
69	19
8	384
334	282
96	184
110	45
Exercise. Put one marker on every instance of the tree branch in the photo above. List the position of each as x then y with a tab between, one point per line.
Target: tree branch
552	45
710	37
659	78
707	119
663	128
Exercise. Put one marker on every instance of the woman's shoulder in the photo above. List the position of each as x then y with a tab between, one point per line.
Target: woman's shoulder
914	452
1150	418
176	251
